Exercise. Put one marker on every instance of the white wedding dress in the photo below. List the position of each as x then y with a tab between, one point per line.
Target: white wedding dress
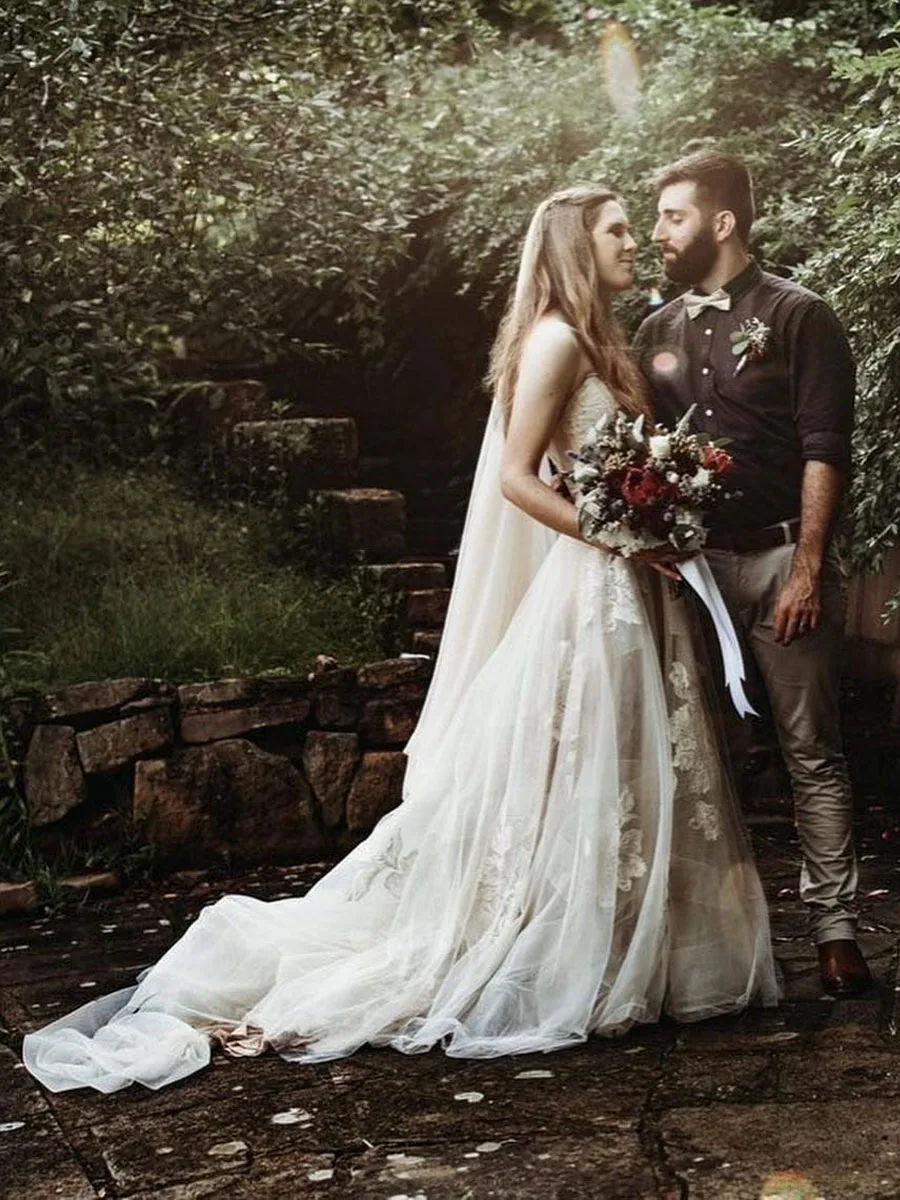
568	859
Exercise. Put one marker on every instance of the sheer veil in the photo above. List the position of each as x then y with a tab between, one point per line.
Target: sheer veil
500	554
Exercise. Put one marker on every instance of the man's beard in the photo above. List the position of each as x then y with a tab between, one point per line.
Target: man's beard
695	261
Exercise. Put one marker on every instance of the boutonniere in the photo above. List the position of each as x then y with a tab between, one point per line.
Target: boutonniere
750	342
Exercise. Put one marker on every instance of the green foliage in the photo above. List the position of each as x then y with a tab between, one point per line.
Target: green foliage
260	181
129	575
17	856
195	172
22	856
858	268
379	610
13	661
862	19
682	107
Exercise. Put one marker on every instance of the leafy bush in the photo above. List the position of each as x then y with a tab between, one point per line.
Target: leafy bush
858	267
265	182
191	171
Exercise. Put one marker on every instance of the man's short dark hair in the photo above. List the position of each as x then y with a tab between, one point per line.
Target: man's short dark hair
723	182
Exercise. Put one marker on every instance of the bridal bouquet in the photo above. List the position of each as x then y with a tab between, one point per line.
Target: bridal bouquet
637	489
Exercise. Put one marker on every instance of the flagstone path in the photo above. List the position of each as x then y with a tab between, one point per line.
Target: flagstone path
792	1104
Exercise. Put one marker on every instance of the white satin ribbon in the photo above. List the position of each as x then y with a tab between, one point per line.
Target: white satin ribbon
696	572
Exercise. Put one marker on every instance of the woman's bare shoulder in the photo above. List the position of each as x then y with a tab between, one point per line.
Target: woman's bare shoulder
551	330
552	344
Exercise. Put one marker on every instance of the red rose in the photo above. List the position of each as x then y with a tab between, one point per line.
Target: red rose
717	460
640	488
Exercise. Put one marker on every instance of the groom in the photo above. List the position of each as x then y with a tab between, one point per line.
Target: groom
768	366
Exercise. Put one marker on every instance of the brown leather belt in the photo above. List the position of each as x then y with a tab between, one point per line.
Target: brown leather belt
752	541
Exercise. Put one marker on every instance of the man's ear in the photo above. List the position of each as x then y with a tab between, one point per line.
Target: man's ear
724	225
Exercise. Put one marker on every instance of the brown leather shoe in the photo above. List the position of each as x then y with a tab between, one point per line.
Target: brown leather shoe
843	968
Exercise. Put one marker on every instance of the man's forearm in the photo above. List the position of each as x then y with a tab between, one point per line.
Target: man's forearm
823	491
799	605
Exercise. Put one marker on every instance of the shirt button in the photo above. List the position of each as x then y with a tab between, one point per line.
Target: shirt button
708	332
705	371
708	412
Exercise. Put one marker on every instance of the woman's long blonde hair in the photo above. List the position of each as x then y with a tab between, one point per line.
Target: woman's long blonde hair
558	273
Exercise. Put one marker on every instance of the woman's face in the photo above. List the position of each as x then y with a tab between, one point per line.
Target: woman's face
613	247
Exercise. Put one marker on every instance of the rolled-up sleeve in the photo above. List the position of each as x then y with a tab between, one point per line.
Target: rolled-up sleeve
824	386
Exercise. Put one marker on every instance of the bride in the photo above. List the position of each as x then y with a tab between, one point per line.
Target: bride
568	858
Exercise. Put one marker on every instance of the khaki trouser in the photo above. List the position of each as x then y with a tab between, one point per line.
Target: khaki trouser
802	684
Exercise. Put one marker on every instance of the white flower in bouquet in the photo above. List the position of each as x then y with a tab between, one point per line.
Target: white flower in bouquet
584	474
589	511
701	478
684	424
660	446
636	433
617	536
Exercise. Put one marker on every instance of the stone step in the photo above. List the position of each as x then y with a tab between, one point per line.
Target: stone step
427	609
426	641
298	453
371	521
408	576
204	413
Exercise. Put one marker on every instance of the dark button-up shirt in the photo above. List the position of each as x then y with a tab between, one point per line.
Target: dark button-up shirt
792	404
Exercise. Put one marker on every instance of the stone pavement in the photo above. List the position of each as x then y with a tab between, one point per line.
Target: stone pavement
793	1104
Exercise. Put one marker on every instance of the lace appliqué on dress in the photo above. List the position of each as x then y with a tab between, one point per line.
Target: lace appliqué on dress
612	593
497	891
689	756
631	843
621	604
389	867
706	821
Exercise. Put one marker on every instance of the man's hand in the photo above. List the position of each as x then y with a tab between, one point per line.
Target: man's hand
799	604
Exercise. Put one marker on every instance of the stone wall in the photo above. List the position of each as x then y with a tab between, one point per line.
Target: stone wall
282	769
231	770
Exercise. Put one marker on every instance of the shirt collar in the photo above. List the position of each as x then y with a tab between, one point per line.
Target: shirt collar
741	284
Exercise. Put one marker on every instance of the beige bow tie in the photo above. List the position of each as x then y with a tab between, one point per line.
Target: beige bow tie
695	303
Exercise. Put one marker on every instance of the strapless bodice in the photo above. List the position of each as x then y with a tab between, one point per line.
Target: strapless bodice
590	401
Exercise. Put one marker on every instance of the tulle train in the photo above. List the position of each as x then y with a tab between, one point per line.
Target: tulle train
568	861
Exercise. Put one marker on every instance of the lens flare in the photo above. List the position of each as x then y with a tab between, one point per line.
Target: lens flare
621	69
789	1185
666	363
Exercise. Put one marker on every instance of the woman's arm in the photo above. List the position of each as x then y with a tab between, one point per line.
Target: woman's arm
551	362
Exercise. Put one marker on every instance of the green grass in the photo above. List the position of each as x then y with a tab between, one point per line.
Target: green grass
127	573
